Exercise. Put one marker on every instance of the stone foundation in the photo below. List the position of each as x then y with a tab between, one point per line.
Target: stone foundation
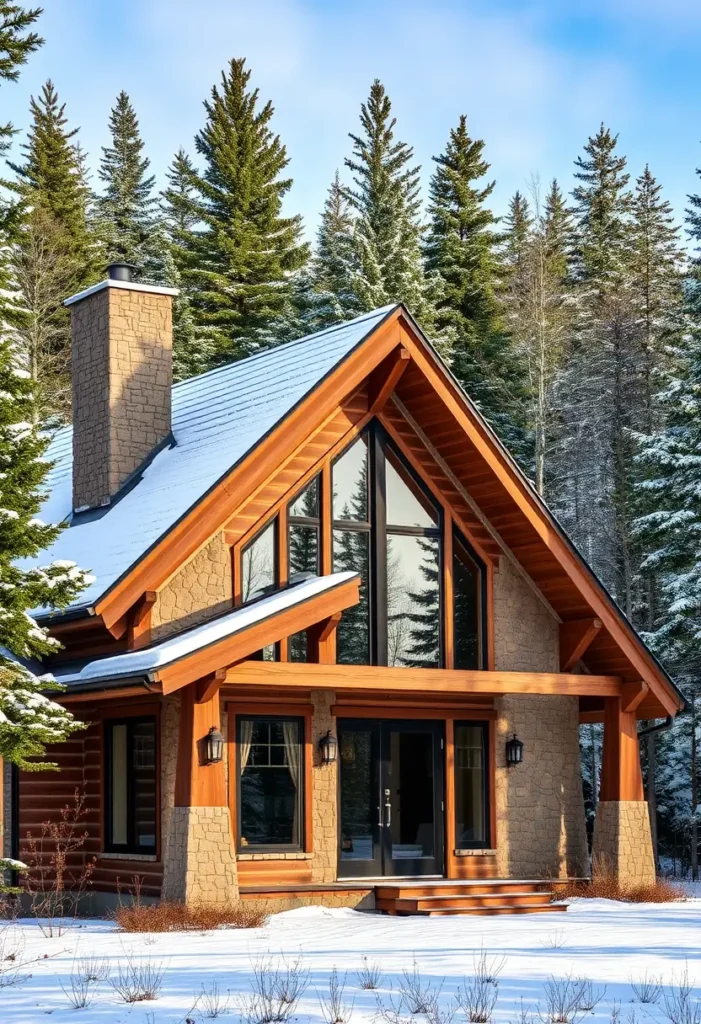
623	842
200	866
276	904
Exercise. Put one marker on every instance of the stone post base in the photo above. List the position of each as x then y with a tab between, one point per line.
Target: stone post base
200	865
622	841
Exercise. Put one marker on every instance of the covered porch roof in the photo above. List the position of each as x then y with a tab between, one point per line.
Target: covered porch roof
221	641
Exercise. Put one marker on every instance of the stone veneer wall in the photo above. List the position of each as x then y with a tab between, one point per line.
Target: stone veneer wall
199	590
121	368
540	807
623	842
325	808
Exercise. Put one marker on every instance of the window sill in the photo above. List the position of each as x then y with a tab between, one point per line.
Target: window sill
282	855
474	853
128	856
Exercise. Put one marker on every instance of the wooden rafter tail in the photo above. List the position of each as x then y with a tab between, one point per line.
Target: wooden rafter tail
209	686
575	638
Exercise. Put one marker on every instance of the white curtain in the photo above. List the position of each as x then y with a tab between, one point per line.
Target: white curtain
290	732
245	742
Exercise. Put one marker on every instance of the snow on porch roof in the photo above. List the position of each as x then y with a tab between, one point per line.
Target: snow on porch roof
148	660
217	419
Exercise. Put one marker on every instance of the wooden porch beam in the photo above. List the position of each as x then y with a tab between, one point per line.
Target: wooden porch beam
423	680
575	637
385	378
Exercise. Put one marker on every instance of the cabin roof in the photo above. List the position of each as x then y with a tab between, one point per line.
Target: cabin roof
217	419
158	656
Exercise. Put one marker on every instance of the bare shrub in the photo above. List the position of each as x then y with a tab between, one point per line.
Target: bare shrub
555	940
171	916
488	969
334	1007
213	1003
562	997
276	991
678	1006
605	885
11	956
58	873
588	997
647	988
138	979
525	1015
416	996
370	975
93	968
477	999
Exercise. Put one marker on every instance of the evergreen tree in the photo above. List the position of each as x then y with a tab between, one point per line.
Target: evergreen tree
191	353
385	199
332	267
127	207
55	254
463	264
241	256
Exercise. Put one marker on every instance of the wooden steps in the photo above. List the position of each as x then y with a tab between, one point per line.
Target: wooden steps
499	896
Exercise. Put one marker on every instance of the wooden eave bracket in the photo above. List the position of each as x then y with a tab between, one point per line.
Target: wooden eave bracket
385	378
135	615
208	687
633	694
575	638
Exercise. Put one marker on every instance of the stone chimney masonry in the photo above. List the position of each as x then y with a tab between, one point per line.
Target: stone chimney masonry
121	361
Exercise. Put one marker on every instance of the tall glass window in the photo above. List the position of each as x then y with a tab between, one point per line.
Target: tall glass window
270	770
388	528
467	607
304	549
471	780
130	786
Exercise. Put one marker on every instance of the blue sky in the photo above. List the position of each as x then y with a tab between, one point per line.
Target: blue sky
534	78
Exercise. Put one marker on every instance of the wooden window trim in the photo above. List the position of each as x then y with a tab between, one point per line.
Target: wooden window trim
128	716
303	714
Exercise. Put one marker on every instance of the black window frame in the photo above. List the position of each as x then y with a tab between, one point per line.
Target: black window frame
301	803
485	844
130	847
378	443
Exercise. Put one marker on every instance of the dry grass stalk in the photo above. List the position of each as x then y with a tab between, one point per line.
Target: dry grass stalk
605	885
171	916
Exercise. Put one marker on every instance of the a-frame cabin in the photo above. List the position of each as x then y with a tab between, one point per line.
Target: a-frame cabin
323	554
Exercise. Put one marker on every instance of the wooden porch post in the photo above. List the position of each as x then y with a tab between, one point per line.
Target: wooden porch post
200	862
622	839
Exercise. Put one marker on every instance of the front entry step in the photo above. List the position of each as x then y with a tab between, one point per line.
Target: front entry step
500	896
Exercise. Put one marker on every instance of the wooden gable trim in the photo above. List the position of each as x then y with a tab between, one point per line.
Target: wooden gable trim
212	511
385	378
535	513
231	649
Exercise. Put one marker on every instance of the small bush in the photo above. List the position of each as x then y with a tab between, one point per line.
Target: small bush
562	1001
604	885
139	979
276	992
417	997
647	988
370	975
678	1005
171	916
334	1007
212	1002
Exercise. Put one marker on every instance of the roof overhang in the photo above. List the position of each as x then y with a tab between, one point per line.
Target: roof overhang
221	642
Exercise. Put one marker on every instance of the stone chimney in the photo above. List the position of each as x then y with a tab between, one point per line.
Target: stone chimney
121	359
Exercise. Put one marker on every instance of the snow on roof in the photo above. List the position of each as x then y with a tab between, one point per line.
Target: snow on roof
150	659
217	419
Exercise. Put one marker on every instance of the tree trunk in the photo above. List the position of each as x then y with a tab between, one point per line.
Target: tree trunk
694	798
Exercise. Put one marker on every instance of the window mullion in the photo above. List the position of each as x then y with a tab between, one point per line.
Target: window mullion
378	552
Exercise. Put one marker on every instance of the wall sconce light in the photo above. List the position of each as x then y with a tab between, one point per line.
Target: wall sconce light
213	746
514	751
328	748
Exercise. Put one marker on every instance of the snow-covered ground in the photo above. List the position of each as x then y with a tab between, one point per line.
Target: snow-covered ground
610	943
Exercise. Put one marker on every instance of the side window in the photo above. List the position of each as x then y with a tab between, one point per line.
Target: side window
271	783
259	565
131	812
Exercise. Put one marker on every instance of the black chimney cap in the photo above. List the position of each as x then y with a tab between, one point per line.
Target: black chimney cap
120	271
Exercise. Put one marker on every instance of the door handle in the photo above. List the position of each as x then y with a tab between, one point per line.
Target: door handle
388	815
379	816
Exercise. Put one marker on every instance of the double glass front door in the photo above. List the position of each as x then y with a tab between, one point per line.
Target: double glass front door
391	798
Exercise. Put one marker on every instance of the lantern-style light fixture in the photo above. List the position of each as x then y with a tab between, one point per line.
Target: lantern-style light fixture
328	748
514	751
214	746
